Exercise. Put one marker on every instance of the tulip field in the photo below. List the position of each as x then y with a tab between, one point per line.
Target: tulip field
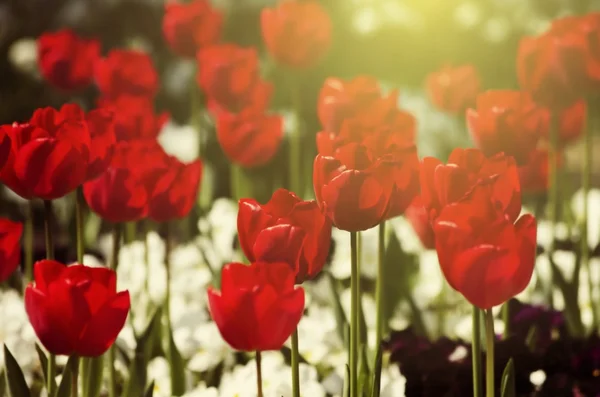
300	198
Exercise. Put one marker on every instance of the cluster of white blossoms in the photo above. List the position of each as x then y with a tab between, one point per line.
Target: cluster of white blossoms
142	271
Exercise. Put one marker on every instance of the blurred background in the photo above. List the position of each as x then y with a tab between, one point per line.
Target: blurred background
397	41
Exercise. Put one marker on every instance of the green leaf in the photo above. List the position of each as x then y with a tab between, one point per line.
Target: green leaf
150	390
400	269
17	387
340	316
346	388
92	373
145	344
364	376
2	384
176	367
43	362
376	388
64	389
508	380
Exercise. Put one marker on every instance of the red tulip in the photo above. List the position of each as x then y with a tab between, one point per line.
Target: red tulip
509	122
453	89
75	309
187	27
355	188
340	100
229	76
49	156
418	217
66	60
442	185
135	117
296	33
562	65
117	195
250	138
5	147
571	124
534	176
175	190
126	72
258	306
483	254
286	229
100	127
10	247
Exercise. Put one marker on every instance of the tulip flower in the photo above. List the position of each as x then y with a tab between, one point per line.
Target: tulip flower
453	88
286	229
340	100
258	306
509	122
229	76
174	190
571	123
442	184
484	254
66	60
126	72
135	117
75	309
250	138
117	195
296	33
417	216
534	176
49	156
5	147
187	27
99	123
563	64
10	247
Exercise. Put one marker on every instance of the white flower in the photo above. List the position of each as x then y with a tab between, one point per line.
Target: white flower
276	381
16	333
393	383
593	214
340	263
210	348
218	231
182	142
23	55
319	341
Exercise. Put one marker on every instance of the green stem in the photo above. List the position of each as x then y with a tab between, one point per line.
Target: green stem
259	389
295	142
490	338
114	263
379	285
48	222
196	116
130	232
476	352
506	320
585	183
79	205
354	290
28	234
168	274
75	377
295	365
553	199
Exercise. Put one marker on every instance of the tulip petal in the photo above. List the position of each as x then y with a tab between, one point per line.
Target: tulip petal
251	220
104	327
46	272
280	243
55	338
282	318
